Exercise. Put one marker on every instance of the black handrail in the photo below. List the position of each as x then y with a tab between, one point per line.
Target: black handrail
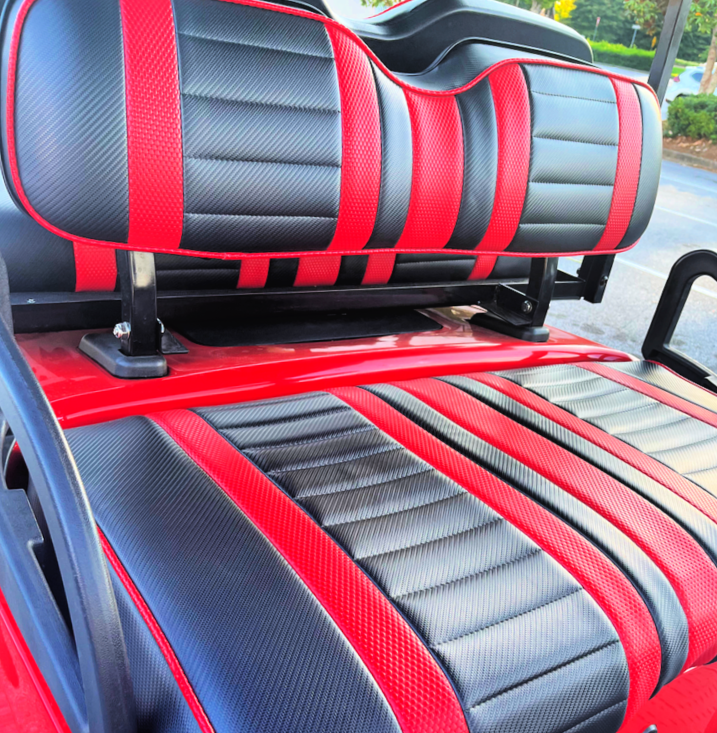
93	610
672	302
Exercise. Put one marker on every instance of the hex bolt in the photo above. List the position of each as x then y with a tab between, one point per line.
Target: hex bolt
122	330
603	281
527	307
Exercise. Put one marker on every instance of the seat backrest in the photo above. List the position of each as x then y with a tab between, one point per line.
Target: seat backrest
237	129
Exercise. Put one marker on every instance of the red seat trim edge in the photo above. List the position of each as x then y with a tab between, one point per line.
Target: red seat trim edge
170	657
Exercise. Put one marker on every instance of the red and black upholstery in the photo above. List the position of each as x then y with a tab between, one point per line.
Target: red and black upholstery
238	129
456	554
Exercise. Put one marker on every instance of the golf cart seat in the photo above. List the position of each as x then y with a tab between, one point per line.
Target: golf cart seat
533	550
530	550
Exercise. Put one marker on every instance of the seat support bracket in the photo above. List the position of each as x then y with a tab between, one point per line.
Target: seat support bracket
135	348
518	313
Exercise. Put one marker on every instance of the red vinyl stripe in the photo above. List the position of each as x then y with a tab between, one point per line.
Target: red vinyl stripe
437	186
483	267
155	629
154	124
416	688
253	273
600	578
680	558
361	145
678	484
379	268
629	159
512	113
649	390
95	268
317	271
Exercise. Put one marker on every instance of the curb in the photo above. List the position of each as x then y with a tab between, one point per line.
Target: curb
687	159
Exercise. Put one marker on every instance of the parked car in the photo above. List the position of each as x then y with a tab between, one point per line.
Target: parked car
688	82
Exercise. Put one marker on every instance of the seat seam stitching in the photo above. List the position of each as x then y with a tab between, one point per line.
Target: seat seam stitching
243	44
395	512
511	618
546	673
500	566
300	107
368	486
384	449
310	441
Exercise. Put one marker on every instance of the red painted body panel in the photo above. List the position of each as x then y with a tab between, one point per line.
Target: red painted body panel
26	703
83	393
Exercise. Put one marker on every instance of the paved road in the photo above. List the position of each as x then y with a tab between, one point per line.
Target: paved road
685	219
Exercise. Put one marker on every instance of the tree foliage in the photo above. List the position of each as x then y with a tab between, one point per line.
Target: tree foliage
702	19
379	4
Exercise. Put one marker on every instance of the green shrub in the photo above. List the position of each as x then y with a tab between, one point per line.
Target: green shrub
618	55
633	58
694	116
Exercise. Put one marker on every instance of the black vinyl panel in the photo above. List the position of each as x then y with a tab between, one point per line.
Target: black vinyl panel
396	163
160	706
650	168
239	188
555	238
352	269
691	519
282	272
231	233
480	139
656	591
71	68
572	163
683	443
257	647
565	162
569	83
576	120
661	377
251	26
419	268
36	259
567	203
262	129
467	580
227	130
176	272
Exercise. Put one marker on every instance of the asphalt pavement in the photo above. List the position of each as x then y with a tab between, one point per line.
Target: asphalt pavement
685	219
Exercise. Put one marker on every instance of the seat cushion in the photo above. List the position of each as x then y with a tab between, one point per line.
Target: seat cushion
465	553
235	129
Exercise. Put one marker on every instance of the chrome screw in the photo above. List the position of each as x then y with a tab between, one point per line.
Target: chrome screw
122	330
